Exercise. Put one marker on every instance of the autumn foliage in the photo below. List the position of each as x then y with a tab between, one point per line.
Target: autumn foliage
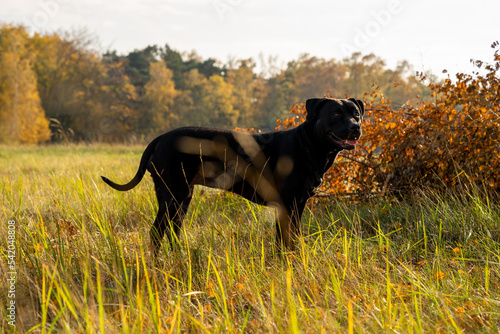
449	138
58	87
22	118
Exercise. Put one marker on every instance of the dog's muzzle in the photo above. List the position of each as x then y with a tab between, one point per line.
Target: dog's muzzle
345	144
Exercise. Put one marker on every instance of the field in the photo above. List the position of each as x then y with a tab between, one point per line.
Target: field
82	264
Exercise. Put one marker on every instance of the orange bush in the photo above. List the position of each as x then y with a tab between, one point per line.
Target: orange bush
436	143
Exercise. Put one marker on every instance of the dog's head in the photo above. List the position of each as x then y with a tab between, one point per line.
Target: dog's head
336	121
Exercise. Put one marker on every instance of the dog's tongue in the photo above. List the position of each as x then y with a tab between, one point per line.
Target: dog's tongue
351	141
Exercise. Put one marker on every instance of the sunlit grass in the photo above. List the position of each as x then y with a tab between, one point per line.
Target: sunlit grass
429	265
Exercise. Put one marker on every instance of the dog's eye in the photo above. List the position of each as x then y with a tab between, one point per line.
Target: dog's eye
356	114
336	115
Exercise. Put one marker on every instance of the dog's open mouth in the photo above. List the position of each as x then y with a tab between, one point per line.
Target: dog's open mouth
346	144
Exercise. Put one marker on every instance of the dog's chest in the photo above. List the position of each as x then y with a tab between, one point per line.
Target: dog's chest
313	185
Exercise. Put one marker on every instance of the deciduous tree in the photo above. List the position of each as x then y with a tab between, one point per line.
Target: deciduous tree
160	94
22	119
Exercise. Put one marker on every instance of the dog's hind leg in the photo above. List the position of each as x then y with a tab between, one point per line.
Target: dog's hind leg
171	212
158	229
176	213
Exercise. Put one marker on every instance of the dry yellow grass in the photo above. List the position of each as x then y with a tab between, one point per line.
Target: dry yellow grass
82	260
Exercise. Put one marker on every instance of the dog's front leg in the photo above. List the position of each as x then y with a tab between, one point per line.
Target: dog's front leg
288	226
284	239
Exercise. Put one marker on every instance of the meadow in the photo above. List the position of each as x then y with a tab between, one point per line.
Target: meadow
429	263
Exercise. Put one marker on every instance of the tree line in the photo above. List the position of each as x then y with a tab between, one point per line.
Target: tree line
57	87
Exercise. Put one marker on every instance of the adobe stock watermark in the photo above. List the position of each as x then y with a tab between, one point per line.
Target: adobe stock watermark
11	273
223	7
380	19
46	10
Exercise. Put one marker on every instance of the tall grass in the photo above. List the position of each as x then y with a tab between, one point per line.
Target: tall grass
83	263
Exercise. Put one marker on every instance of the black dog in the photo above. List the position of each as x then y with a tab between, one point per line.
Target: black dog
279	169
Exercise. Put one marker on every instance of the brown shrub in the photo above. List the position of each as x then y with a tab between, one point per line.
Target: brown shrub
454	136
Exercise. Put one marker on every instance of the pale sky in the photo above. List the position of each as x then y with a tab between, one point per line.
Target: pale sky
431	35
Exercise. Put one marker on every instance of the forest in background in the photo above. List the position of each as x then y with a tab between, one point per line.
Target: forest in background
57	87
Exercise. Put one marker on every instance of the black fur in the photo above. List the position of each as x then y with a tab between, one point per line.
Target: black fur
279	169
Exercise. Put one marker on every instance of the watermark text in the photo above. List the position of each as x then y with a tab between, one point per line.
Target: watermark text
379	20
11	273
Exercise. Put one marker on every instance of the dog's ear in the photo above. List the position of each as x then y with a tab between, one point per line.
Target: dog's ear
359	104
313	105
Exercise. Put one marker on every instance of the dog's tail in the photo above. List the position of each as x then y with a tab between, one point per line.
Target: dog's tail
143	166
